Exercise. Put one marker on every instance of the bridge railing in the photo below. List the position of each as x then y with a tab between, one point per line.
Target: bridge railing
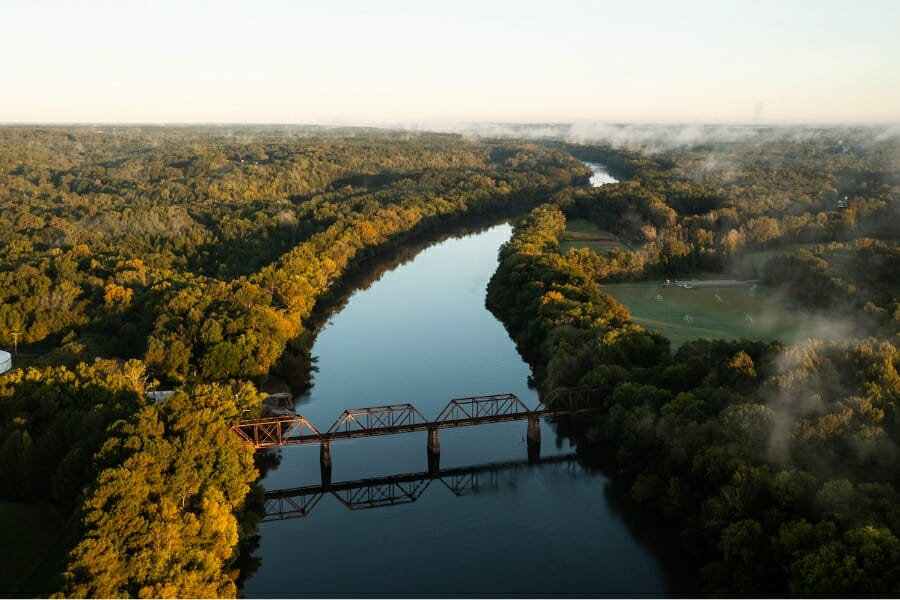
377	417
482	407
572	400
400	418
273	431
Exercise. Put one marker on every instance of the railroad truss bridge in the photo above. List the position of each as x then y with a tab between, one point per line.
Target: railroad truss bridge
355	423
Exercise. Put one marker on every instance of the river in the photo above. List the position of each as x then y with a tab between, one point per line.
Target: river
421	334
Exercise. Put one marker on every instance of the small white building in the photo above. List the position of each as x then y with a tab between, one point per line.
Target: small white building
159	395
5	361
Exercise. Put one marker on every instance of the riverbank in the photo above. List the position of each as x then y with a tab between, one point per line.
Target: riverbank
692	432
294	370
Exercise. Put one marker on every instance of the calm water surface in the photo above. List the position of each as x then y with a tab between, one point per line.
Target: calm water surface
422	335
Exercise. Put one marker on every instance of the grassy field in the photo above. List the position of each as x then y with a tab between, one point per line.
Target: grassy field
31	538
715	312
584	234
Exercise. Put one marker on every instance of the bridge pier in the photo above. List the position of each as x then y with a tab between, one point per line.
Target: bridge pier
434	441
325	455
533	438
534	452
434	464
326	476
534	429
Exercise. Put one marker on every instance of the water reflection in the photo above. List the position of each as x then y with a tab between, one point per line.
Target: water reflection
365	273
405	488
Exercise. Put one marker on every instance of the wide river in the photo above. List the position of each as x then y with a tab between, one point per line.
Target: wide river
421	334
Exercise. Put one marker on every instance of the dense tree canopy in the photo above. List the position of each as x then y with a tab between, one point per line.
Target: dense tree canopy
130	256
777	464
202	251
700	206
196	256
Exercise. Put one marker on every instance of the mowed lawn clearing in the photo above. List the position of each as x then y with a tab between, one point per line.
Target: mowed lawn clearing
580	233
726	312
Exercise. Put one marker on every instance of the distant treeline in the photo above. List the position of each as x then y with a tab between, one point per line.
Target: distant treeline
703	209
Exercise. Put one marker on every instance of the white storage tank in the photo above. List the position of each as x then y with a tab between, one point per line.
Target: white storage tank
5	361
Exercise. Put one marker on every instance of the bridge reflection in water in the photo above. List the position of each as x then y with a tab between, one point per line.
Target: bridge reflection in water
379	492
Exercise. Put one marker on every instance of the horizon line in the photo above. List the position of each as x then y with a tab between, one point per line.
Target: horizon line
458	123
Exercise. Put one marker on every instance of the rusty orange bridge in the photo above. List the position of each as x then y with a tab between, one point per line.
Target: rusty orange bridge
353	423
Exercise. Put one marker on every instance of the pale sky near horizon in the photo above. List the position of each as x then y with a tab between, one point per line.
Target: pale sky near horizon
393	62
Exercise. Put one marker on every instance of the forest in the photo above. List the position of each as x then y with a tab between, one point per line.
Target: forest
776	466
134	259
194	259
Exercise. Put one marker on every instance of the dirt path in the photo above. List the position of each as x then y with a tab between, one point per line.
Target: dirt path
712	282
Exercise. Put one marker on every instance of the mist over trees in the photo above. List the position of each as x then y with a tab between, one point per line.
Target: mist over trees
776	464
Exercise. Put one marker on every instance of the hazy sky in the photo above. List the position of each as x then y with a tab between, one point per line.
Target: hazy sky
384	62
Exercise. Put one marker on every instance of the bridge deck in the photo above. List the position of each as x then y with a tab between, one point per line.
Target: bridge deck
404	418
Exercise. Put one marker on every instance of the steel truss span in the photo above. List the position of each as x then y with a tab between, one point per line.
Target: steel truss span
405	418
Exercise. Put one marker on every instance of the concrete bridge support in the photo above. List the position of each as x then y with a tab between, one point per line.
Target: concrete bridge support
534	429
325	455
434	441
434	464
534	452
533	438
326	476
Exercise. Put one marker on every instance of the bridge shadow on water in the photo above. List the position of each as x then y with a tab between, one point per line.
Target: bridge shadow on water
403	488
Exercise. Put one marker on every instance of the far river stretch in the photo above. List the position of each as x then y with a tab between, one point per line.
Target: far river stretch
422	335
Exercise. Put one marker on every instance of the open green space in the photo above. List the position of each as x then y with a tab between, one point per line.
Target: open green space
31	536
581	233
726	312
